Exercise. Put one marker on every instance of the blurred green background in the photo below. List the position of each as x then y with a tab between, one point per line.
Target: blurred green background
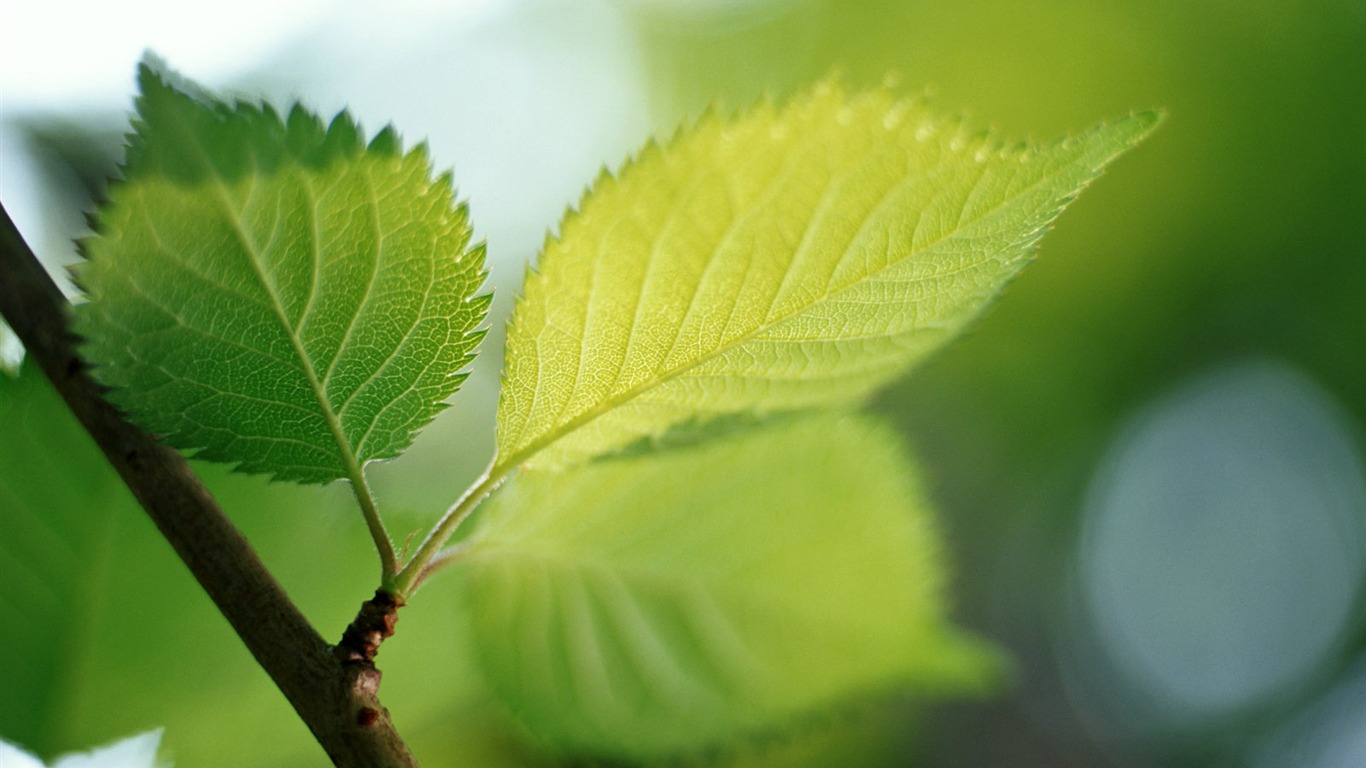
1148	456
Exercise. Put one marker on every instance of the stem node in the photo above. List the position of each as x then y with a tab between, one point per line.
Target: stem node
374	624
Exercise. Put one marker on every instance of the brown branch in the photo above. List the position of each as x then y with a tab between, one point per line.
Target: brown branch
336	699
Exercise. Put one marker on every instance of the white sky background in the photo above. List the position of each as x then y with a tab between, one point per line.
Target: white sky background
55	54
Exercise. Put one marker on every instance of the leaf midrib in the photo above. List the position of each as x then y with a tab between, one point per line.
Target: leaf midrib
350	465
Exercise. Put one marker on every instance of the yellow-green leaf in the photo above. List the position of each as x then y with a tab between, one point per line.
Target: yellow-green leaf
665	603
783	259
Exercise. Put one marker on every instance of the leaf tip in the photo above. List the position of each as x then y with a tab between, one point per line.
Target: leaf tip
159	83
1140	124
1124	133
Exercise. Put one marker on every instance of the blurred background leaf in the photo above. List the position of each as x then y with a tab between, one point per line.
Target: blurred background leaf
55	551
637	606
1236	234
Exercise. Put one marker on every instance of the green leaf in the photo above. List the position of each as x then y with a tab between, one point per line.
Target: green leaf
275	293
649	605
58	502
779	260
